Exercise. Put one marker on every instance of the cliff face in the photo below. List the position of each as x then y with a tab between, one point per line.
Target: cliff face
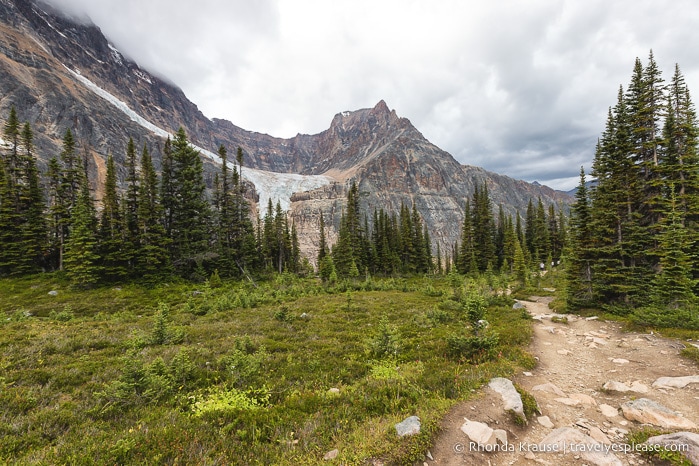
62	74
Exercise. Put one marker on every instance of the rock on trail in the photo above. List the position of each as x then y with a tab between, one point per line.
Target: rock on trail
589	379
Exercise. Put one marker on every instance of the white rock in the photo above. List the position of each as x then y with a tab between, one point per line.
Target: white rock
583	399
608	411
510	397
563	437
331	455
410	426
636	387
598	435
675	382
500	436
545	421
647	411
478	432
592	318
563	352
620	361
549	388
568	401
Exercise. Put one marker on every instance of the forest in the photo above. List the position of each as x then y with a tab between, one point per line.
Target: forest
633	235
152	227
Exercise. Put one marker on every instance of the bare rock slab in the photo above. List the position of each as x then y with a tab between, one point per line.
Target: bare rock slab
675	382
688	440
510	397
620	387
478	432
573	442
608	411
549	388
410	426
648	411
545	421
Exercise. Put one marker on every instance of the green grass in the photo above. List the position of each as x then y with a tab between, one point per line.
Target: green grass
656	455
234	374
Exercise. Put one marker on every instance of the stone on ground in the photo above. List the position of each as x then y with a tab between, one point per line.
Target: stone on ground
410	426
647	411
549	388
545	421
331	455
675	382
510	397
636	387
478	432
608	411
594	453
690	439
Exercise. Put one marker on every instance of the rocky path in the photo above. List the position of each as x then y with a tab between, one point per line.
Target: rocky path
576	360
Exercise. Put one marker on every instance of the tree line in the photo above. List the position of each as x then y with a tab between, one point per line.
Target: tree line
157	226
152	228
634	235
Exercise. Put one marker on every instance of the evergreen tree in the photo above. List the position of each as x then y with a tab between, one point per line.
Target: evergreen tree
322	245
130	207
152	260
579	266
81	257
112	240
189	211
673	285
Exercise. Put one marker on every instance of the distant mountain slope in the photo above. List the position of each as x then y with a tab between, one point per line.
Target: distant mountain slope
62	74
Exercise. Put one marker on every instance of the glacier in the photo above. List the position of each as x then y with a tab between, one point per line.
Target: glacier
269	185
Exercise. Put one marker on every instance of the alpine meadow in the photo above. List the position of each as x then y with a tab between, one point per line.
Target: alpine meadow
176	290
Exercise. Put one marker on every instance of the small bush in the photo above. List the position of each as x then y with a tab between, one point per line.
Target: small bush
531	407
386	342
162	332
63	316
438	316
666	318
224	401
283	314
691	352
559	320
475	349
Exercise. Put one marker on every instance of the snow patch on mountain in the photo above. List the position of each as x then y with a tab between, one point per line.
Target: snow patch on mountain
269	185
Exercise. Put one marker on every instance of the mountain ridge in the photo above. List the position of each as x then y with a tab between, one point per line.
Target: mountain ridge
46	60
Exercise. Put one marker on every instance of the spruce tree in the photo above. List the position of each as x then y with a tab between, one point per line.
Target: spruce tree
189	211
152	261
81	256
112	238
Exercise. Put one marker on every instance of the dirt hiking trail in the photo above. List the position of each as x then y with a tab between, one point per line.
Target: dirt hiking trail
575	360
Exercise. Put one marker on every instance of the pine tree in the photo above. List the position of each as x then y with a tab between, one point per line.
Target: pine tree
112	240
322	245
35	233
130	207
81	257
189	210
579	265
152	260
673	286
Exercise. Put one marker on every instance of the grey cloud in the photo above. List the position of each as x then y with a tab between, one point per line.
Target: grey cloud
520	88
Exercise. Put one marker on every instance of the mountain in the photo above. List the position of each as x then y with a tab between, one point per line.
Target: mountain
61	73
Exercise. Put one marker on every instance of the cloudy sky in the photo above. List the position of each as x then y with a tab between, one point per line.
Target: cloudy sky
520	87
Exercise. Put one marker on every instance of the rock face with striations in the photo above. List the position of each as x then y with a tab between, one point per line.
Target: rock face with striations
57	72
